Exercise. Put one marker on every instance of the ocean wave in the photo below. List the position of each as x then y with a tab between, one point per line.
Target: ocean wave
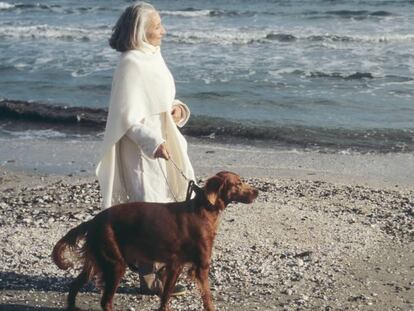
53	32
391	38
6	6
381	3
191	12
55	8
60	118
348	76
28	6
328	75
34	134
232	36
349	14
358	13
227	36
355	14
283	37
354	76
188	13
46	113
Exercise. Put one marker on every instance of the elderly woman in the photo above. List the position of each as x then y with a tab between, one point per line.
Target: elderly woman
141	131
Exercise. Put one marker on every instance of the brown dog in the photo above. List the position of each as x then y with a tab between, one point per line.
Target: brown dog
172	233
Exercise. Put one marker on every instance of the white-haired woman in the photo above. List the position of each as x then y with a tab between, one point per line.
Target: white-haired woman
141	130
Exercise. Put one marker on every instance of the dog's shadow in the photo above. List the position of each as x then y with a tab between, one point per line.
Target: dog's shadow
15	282
17	307
23	282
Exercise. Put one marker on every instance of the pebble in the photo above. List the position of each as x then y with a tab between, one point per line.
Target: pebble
252	266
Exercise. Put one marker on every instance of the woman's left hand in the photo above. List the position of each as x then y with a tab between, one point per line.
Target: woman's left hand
177	113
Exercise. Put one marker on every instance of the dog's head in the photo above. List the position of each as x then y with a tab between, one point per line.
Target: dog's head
226	187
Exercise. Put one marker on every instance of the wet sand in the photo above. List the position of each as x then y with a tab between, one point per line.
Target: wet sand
248	158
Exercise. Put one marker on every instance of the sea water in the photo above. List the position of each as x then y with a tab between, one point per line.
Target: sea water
323	72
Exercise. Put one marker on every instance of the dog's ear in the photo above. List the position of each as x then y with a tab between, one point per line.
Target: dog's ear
213	188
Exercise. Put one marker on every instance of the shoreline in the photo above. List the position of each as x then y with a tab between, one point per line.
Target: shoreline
249	158
25	118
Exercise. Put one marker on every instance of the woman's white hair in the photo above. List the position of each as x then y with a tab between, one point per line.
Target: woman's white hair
130	29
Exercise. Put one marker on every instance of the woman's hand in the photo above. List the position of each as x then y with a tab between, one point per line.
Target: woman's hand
177	113
162	152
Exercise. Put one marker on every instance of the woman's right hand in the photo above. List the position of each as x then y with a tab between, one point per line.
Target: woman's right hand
162	152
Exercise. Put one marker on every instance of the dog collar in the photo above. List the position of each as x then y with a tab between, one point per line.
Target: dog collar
199	192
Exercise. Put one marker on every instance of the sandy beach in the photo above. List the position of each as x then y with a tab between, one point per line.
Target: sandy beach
328	231
309	101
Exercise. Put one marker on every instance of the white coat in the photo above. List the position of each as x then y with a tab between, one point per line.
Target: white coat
142	87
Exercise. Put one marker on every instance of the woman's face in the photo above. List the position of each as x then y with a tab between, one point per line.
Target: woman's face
155	30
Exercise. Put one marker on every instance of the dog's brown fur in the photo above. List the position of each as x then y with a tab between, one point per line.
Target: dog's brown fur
172	233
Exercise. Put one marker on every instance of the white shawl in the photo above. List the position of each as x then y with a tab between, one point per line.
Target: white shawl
142	86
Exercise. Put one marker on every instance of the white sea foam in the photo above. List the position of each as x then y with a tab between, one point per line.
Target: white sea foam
6	6
32	134
345	38
241	36
89	69
282	71
53	32
21	66
384	38
220	36
195	13
227	36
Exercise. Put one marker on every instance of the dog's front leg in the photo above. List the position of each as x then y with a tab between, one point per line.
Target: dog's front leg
204	287
172	272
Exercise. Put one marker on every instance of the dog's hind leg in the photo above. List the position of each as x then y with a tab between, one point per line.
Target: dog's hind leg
111	276
112	265
172	272
74	288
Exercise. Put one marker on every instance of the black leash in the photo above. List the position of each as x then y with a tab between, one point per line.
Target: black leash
193	187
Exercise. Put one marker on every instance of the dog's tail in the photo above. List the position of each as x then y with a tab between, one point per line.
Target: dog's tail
69	242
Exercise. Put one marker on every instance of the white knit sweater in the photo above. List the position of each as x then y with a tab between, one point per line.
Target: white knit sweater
143	92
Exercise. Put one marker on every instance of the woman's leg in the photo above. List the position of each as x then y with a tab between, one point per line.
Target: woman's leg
150	282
